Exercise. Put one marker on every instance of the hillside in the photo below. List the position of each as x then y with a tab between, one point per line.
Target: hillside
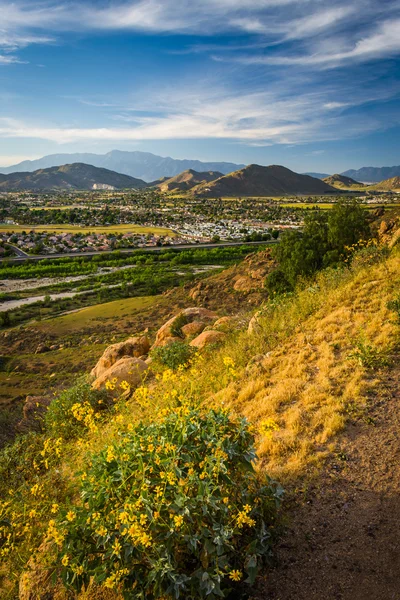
389	185
142	165
373	174
76	176
310	373
187	180
341	182
255	180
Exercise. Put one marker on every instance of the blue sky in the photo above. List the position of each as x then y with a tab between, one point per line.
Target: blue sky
311	84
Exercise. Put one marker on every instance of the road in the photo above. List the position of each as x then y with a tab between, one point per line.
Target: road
20	253
22	256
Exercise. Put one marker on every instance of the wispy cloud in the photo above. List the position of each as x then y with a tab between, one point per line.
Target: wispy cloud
260	118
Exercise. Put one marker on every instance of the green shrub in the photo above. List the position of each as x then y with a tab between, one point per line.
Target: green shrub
173	510
370	356
176	327
75	409
174	355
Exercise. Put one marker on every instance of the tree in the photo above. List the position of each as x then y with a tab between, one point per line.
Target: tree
347	224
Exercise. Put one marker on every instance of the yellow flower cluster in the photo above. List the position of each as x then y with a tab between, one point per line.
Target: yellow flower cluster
267	427
54	534
113	580
243	518
229	363
85	414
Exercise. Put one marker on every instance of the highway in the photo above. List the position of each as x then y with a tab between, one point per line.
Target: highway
23	257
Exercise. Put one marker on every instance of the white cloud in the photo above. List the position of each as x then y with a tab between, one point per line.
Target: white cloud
260	118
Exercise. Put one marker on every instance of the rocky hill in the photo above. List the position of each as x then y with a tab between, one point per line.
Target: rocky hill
187	180
392	184
341	182
76	176
255	180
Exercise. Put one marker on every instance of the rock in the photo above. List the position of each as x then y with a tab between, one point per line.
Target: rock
207	338
132	347
192	329
173	327
127	369
224	324
53	347
33	411
255	326
42	348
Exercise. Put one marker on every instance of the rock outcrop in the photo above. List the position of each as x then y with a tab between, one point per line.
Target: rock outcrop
133	347
177	328
207	338
127	369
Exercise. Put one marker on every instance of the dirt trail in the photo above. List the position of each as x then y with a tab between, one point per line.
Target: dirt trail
343	542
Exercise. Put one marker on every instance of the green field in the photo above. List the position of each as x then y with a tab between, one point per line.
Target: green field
93	315
125	228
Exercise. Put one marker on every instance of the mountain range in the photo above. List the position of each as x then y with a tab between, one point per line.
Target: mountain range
77	176
142	165
373	174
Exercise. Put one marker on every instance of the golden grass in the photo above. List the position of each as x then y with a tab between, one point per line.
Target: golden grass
124	228
306	383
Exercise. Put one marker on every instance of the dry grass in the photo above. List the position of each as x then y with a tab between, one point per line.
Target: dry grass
306	384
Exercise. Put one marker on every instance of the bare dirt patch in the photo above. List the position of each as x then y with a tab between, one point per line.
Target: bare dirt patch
343	542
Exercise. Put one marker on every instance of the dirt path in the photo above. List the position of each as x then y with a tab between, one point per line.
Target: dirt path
343	543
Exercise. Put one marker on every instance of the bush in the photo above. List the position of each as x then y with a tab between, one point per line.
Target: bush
75	409
173	510
174	355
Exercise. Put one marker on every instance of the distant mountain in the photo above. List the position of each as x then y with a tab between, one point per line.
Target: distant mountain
388	185
317	175
77	176
342	182
255	180
187	180
373	174
142	165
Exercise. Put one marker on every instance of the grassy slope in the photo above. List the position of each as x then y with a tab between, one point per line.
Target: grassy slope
306	386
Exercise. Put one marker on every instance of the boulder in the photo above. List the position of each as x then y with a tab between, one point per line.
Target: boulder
127	369
33	411
192	329
133	347
174	327
207	338
224	324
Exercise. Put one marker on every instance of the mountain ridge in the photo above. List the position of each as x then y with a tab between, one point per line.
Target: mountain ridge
141	165
373	174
